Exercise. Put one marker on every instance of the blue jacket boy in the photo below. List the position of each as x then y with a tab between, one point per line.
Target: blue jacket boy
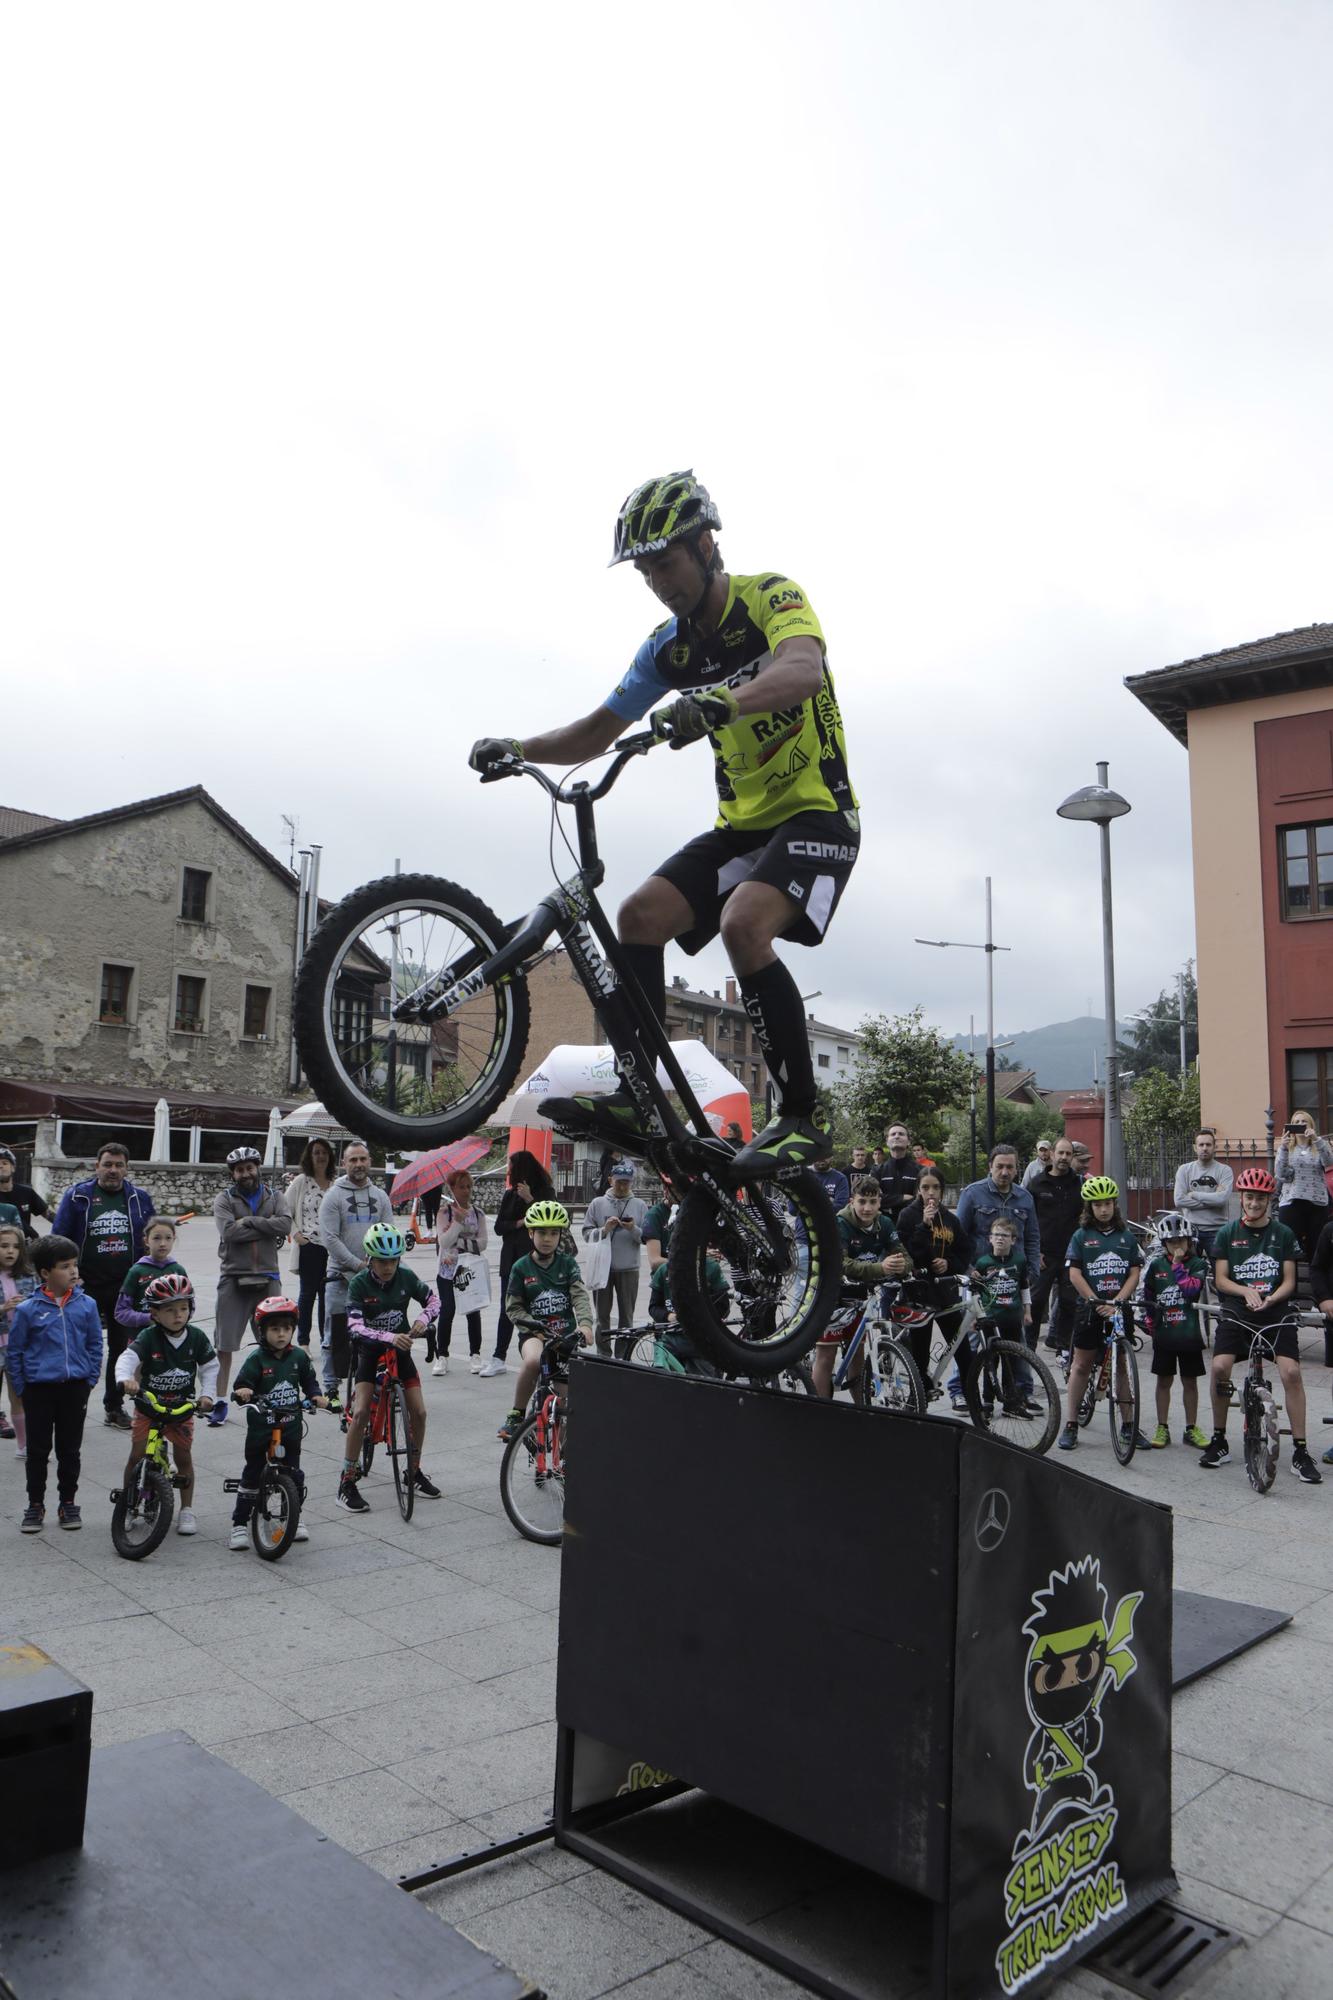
54	1340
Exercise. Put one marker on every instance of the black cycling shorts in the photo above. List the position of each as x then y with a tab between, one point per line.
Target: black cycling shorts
1228	1338
1091	1330
369	1355
1188	1360
808	857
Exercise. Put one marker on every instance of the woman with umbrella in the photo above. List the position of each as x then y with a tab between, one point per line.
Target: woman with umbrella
461	1234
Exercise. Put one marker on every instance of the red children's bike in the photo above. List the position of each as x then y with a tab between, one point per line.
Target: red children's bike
389	1424
532	1470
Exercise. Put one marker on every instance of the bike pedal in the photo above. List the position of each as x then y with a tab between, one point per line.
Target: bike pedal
231	1485
116	1494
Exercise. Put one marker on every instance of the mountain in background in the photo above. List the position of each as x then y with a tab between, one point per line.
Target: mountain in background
1062	1054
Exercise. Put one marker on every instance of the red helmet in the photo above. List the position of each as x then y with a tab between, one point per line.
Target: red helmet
165	1291
276	1307
1255	1180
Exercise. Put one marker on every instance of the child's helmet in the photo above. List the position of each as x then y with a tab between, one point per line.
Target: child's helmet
383	1240
164	1291
546	1215
270	1309
1100	1187
1173	1226
1255	1180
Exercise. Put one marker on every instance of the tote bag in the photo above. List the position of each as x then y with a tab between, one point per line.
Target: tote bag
472	1281
599	1264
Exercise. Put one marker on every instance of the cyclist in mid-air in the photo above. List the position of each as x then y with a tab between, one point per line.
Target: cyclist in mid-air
741	661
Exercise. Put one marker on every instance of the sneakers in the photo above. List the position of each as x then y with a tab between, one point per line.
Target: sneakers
218	1414
116	1420
1161	1438
1141	1443
476	1364
1193	1435
787	1142
509	1426
592	1115
239	1538
187	1525
958	1402
1305	1468
1215	1453
302	1532
6	1428
1328	1456
1068	1438
32	1521
349	1496
441	1366
68	1515
492	1367
426	1486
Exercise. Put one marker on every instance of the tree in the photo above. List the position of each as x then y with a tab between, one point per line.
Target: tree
1154	1035
1016	1125
1161	1102
907	1074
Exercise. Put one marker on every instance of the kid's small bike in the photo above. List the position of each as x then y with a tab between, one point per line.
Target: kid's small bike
141	1510
1119	1363
389	1424
889	1378
276	1514
1262	1431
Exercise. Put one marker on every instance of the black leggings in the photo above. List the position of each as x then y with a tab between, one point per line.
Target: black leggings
55	1412
312	1264
444	1327
504	1328
256	1451
1304	1219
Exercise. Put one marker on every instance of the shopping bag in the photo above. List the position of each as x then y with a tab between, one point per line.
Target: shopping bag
472	1282
598	1274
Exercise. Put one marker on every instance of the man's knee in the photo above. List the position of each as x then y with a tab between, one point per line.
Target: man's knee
653	914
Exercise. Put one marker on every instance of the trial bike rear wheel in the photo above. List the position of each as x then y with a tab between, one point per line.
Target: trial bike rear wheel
532	1476
141	1516
276	1514
778	1246
446	1077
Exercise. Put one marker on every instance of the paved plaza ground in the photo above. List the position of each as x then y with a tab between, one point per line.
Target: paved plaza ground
395	1685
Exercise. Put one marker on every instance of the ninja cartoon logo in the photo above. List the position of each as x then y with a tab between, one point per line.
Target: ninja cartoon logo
1064	1882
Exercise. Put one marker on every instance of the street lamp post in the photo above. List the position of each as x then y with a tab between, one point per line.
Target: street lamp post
1101	805
990	948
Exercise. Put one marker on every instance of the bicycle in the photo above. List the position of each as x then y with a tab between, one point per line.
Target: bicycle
1119	1350
647	1349
276	1514
141	1511
889	1378
388	1422
532	1465
1015	1407
1262	1429
453	1044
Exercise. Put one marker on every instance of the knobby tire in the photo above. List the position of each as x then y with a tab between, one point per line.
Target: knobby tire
1262	1445
275	1516
773	1331
993	1378
155	1498
537	1511
401	1450
1124	1449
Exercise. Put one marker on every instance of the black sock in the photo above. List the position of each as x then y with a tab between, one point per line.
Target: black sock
773	1004
647	962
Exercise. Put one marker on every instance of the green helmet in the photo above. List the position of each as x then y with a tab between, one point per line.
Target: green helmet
1100	1188
383	1240
546	1215
660	512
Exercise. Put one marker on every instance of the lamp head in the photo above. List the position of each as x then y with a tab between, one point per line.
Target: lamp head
1094	802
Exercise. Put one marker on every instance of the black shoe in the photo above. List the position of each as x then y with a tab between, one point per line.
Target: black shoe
1215	1454
69	1516
349	1496
116	1420
593	1115
1305	1468
787	1142
426	1486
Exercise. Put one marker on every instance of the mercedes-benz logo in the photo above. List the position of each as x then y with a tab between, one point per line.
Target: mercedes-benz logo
992	1523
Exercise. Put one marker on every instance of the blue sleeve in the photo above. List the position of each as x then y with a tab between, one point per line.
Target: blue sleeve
14	1353
64	1224
964	1214
635	694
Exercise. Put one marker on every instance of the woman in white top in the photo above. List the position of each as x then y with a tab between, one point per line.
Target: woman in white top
1302	1201
460	1231
306	1192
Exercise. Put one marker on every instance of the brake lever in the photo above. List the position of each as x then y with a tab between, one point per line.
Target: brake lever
508	767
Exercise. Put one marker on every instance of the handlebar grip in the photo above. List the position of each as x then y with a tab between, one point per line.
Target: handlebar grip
508	767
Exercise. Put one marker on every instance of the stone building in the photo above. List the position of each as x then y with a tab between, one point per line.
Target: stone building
148	952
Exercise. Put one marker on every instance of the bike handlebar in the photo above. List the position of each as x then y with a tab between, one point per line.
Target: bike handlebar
626	749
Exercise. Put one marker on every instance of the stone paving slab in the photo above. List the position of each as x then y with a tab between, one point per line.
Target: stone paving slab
394	1683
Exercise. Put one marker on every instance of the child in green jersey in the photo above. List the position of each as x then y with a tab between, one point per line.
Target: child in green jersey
871	1252
1171	1286
546	1300
673	1336
1103	1261
159	1243
174	1360
281	1373
387	1306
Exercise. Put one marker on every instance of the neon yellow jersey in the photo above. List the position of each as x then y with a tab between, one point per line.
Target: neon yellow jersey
768	767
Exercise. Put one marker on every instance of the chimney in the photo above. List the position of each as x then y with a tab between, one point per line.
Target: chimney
731	993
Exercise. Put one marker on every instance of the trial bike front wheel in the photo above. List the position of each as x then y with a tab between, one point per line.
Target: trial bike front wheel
276	1515
1262	1435
401	1449
1000	1402
412	1083
778	1247
141	1516
1123	1404
532	1477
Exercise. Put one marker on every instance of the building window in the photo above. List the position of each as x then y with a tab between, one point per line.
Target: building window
1305	855
113	1007
352	1023
255	1025
1310	1084
822	1061
189	1005
194	895
842	1055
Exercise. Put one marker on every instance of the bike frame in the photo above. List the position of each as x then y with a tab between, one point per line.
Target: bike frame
866	1335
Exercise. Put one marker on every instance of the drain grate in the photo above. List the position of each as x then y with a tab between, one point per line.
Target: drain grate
1162	1952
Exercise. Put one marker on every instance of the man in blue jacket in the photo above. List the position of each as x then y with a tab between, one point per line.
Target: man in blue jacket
105	1218
981	1201
53	1360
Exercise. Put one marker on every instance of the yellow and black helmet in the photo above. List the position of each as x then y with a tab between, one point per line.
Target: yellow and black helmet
546	1215
662	511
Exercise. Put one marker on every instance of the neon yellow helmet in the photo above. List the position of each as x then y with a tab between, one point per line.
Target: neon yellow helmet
661	511
546	1215
1100	1188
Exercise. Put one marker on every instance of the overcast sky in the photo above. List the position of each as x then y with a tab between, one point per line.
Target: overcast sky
336	334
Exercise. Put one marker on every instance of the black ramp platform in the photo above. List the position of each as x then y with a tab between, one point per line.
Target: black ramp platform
941	1663
1211	1630
193	1880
